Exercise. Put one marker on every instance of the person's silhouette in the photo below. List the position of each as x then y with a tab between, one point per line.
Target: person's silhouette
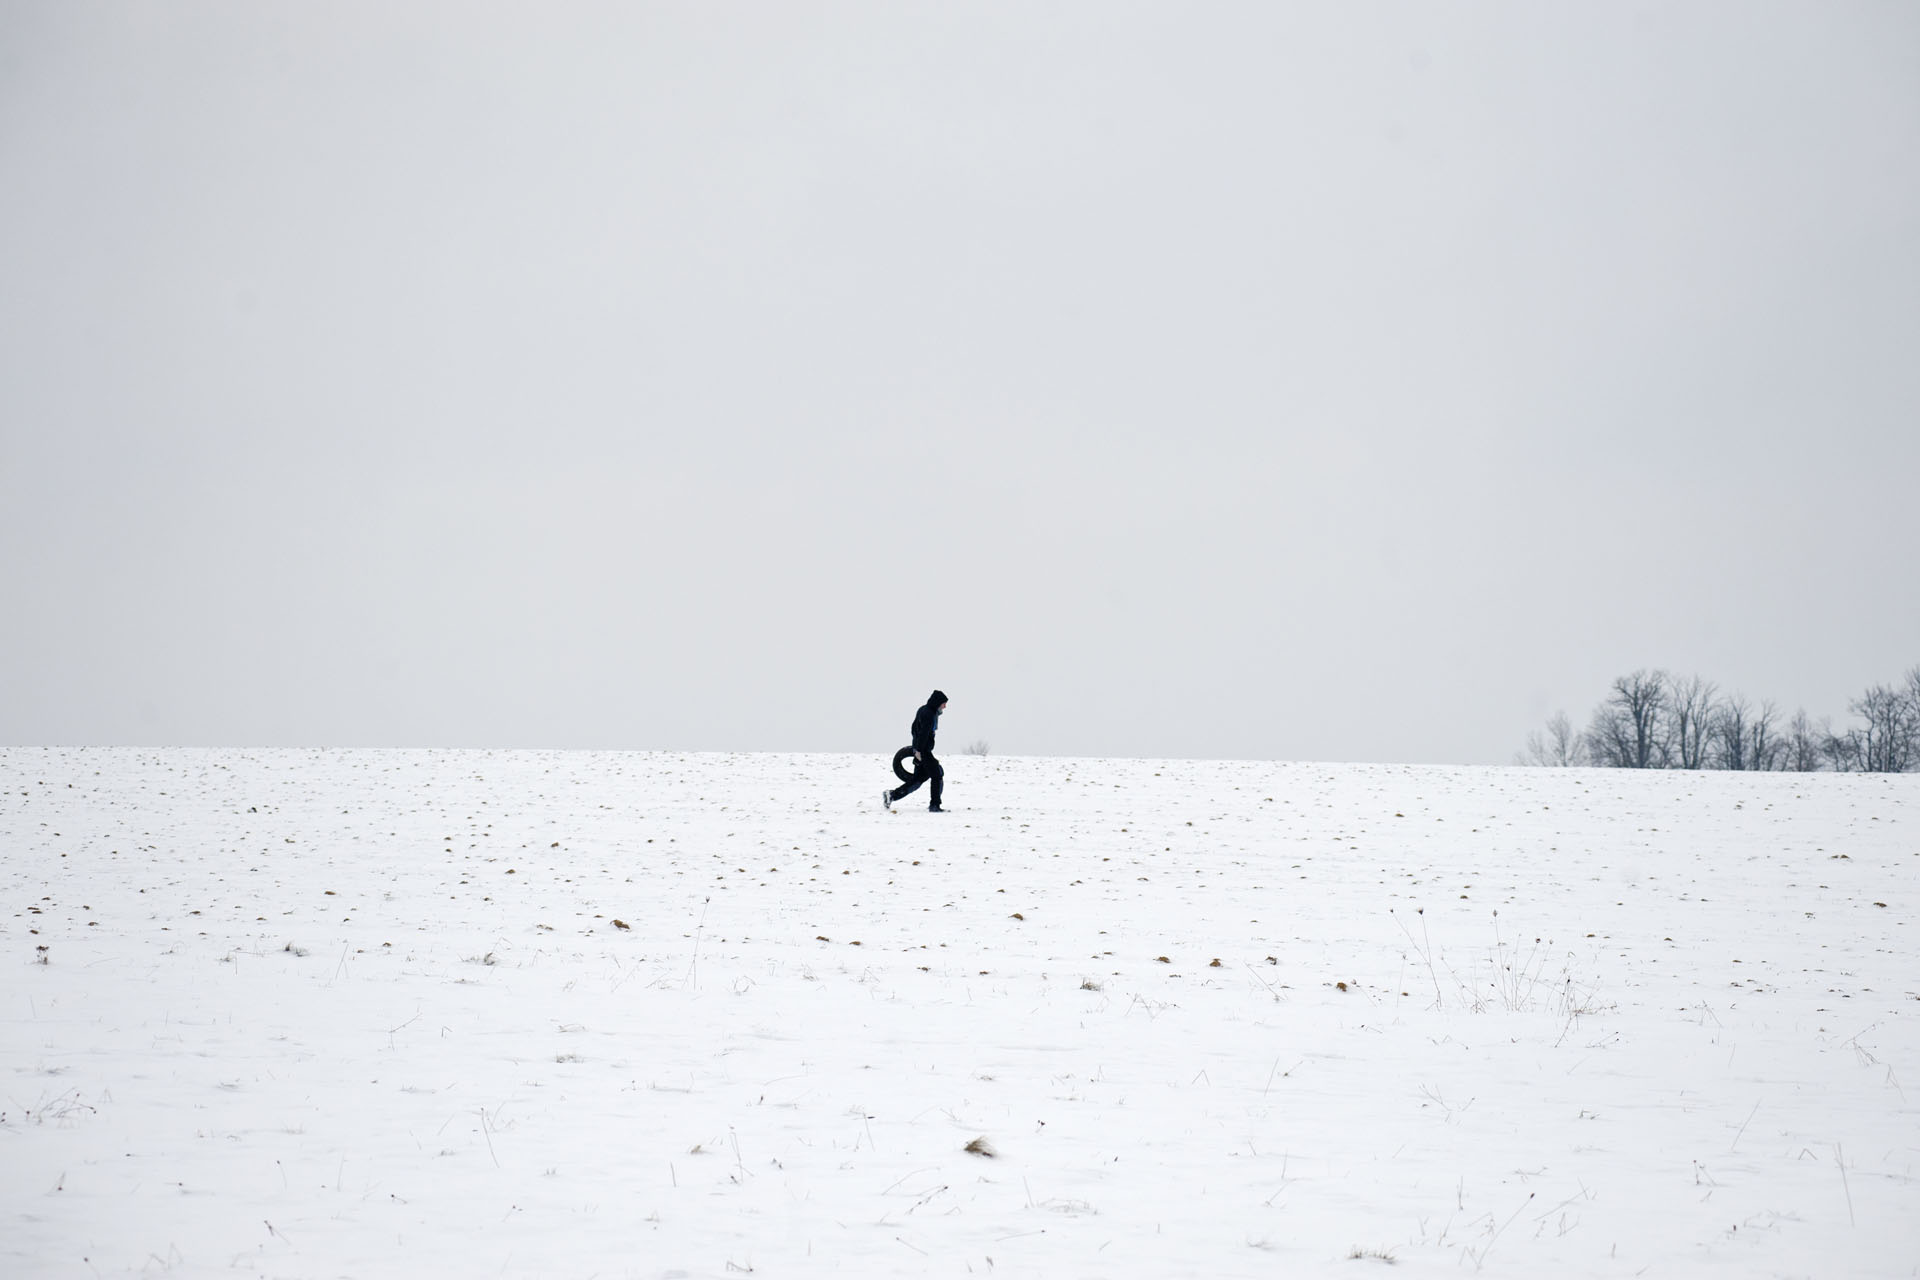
926	723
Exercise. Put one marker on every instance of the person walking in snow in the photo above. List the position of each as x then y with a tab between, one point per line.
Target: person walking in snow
926	722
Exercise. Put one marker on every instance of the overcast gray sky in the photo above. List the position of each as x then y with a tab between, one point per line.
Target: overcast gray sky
1247	380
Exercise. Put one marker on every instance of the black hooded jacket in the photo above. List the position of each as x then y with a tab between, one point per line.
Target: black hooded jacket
925	721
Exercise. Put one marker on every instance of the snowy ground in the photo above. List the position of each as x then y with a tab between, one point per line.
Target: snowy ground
380	1013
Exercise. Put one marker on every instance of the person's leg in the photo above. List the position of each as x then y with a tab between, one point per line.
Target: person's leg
912	784
900	772
939	780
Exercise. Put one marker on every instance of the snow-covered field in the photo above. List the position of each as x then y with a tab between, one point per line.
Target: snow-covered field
381	1013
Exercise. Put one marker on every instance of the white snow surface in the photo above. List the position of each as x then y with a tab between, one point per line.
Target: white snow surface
385	1013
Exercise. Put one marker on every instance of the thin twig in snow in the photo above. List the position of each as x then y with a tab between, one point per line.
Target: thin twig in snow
929	1169
402	1027
1839	1158
341	967
486	1129
693	983
1480	1258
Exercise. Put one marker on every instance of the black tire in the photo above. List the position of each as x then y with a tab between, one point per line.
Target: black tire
899	764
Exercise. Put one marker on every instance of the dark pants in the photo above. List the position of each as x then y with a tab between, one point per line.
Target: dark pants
926	769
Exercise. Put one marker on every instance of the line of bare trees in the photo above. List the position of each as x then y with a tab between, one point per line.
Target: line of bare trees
1654	720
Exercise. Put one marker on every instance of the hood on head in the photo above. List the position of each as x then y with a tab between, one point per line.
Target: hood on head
937	698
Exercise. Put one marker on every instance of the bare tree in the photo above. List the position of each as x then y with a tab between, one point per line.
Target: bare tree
1765	746
1839	750
1729	733
1886	742
1626	728
1911	693
1558	747
1740	737
1804	748
1687	720
1890	730
978	747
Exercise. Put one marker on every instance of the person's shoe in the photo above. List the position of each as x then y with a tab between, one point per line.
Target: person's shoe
886	798
934	808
